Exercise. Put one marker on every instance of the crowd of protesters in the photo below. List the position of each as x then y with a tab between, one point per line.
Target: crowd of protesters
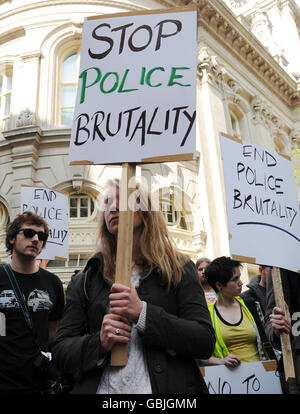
174	316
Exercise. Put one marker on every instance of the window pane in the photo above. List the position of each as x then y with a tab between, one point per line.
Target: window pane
170	217
69	72
73	202
73	212
83	202
73	262
82	262
55	263
83	212
67	116
68	95
182	223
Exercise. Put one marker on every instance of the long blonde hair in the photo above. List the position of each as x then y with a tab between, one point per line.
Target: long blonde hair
157	249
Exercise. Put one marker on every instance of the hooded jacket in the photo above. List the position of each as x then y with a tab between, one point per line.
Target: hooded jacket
255	293
178	330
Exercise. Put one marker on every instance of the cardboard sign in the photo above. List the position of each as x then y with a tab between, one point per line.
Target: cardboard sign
52	206
136	96
262	205
247	378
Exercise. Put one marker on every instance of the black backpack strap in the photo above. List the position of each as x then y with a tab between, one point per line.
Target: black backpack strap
18	294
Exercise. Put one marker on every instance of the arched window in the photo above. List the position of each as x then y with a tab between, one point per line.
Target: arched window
5	97
235	125
81	206
68	87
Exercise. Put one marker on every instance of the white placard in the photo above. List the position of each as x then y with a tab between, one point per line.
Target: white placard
136	96
247	378
52	206
262	205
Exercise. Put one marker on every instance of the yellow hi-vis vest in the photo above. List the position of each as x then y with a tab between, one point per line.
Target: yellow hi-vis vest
221	350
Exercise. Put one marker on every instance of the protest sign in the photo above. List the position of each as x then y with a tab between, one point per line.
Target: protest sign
262	205
136	102
136	97
52	206
247	378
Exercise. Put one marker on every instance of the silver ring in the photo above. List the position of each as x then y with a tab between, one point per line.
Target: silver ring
118	331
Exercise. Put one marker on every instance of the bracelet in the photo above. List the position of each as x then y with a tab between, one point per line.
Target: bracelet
141	323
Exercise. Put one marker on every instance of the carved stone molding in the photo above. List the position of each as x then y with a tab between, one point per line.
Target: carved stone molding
262	113
25	118
215	18
208	65
77	182
233	92
295	138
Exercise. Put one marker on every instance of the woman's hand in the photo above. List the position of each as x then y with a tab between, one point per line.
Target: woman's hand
281	320
124	301
114	329
231	361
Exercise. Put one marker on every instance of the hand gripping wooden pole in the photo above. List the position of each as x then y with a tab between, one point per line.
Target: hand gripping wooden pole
284	337
124	249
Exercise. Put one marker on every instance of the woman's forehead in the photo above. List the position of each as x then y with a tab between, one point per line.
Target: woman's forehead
111	191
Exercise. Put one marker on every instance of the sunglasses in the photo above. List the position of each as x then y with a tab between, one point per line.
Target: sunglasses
30	233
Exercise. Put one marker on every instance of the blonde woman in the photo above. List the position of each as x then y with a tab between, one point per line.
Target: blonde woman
163	316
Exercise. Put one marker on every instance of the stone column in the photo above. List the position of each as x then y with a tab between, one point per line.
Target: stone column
211	121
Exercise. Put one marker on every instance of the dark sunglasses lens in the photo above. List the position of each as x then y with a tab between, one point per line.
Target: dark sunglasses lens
42	236
29	233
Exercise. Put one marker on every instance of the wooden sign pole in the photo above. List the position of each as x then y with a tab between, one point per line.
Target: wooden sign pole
284	338
124	250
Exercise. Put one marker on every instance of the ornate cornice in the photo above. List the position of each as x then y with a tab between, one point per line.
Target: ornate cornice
219	21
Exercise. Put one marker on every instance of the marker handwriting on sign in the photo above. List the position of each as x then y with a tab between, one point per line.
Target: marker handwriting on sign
250	385
48	213
261	176
128	35
137	88
132	122
44	194
57	236
109	82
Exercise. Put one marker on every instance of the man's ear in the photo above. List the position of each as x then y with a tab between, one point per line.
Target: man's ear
12	241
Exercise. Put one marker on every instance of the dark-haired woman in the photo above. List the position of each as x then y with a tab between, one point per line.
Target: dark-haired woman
238	336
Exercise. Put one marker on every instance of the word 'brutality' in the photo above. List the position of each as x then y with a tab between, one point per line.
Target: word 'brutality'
130	122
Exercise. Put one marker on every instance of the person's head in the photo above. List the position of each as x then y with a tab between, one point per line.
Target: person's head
27	233
201	264
111	209
263	271
155	246
223	273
